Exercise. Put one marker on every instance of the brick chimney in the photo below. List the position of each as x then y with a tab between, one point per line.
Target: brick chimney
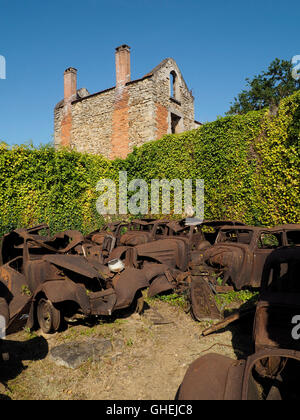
70	83
70	89
122	65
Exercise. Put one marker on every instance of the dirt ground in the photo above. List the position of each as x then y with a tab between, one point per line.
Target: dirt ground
151	353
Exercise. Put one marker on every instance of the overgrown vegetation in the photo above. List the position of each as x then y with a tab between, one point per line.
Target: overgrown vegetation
250	164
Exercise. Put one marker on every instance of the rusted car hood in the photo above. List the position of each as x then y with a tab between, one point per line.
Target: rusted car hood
74	263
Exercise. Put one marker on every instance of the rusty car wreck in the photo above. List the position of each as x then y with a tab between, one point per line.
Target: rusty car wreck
271	372
46	278
43	283
239	253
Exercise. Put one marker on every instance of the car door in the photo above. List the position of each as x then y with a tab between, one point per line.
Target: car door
266	242
17	292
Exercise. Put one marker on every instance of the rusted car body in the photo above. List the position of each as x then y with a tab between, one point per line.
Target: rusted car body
100	244
161	261
239	253
41	282
201	234
141	231
279	300
165	263
217	377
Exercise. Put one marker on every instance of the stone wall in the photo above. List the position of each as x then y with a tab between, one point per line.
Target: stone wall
141	113
92	123
181	105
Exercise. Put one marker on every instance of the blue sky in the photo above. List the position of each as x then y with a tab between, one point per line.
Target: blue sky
216	44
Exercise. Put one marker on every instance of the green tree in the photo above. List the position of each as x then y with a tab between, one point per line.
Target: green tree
266	89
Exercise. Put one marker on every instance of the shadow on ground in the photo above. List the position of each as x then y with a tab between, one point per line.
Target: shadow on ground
13	353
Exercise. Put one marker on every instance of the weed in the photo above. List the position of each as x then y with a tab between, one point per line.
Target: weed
29	334
173	299
226	299
25	290
129	342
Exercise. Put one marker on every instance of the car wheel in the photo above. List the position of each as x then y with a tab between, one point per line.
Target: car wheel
48	316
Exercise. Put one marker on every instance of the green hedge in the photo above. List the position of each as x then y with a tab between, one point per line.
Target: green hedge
250	164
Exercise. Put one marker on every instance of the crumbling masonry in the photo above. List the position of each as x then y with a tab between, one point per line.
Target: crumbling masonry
130	114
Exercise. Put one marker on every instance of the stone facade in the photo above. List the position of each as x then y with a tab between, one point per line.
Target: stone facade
112	122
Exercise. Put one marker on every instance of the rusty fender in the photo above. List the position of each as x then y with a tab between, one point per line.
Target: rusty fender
213	377
160	284
127	284
160	276
58	291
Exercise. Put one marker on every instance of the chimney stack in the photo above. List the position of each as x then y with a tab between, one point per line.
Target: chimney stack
122	65
70	83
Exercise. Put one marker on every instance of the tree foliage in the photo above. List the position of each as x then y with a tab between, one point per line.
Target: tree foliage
266	89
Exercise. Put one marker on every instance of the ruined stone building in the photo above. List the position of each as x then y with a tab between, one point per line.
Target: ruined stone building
133	112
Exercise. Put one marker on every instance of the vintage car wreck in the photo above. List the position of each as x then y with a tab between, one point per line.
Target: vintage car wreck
200	234
266	375
278	304
165	263
41	283
46	278
239	253
272	372
100	243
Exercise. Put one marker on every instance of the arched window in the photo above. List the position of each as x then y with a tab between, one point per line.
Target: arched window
173	85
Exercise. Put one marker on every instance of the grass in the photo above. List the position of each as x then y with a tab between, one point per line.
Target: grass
225	300
129	342
173	299
143	354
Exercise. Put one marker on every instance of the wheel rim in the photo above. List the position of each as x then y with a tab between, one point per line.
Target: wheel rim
48	316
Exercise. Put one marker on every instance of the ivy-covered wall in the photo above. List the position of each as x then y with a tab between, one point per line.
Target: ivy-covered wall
250	164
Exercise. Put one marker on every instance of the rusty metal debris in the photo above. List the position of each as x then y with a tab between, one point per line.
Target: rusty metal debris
44	277
203	304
